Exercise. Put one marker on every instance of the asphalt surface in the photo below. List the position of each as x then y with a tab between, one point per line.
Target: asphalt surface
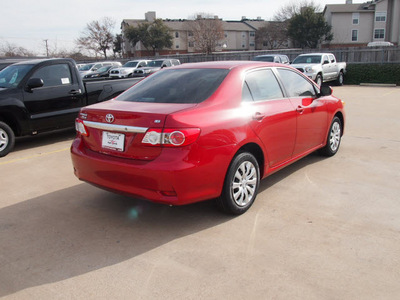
323	228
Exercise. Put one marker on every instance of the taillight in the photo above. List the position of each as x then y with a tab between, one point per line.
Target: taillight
171	137
81	128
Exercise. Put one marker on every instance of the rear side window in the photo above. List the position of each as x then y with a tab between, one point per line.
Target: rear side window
262	85
176	86
54	75
295	84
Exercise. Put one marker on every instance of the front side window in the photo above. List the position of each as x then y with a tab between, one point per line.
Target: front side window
379	33
54	75
176	86
262	85
295	84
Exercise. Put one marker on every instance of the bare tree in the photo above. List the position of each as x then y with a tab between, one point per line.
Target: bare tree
273	35
205	31
97	36
12	50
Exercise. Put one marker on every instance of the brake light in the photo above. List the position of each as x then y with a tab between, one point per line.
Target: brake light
81	128
171	137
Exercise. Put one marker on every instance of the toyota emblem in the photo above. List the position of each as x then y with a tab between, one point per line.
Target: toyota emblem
109	118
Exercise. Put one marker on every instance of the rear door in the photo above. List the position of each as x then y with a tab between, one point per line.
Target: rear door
312	116
273	115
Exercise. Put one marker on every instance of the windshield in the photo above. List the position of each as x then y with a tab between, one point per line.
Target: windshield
176	86
12	75
264	58
308	59
155	63
130	64
103	69
86	67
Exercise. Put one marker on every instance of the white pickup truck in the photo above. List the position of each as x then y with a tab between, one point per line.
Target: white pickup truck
320	67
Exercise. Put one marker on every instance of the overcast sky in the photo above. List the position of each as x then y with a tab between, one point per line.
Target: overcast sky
28	23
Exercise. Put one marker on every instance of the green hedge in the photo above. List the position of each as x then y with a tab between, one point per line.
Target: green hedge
372	73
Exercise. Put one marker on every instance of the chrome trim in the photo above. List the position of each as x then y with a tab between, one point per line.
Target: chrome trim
114	127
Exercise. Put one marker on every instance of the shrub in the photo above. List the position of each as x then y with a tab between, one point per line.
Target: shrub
372	73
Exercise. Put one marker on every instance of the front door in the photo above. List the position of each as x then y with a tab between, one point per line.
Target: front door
57	103
311	112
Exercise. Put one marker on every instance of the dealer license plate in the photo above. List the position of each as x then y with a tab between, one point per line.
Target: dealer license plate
114	141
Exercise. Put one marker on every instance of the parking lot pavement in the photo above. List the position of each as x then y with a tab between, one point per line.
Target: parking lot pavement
319	229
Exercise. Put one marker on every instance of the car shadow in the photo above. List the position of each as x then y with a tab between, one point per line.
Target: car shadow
81	229
43	139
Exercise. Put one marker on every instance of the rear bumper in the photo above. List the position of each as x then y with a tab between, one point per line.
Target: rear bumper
175	177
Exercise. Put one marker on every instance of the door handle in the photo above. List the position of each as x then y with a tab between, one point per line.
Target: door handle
258	116
300	109
75	92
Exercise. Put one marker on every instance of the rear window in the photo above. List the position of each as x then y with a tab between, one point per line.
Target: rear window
176	86
264	58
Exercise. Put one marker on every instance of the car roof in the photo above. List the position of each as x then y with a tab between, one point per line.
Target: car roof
225	65
38	61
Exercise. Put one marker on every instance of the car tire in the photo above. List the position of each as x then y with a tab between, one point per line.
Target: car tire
318	80
7	139
241	184
333	139
340	79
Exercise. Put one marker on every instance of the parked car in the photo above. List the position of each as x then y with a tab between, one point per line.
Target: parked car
154	66
276	58
102	72
320	67
43	95
380	44
205	130
93	67
127	69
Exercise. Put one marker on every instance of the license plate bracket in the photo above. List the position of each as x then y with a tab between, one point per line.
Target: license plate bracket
113	141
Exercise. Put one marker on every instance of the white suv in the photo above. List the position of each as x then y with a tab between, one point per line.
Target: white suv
127	69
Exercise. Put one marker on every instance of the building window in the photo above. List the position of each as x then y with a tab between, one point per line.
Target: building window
380	16
191	44
252	33
177	46
176	34
379	33
354	35
190	33
356	18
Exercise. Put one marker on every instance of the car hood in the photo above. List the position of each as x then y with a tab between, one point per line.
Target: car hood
302	65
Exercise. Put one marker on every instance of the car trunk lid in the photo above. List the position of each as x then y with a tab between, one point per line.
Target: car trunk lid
117	128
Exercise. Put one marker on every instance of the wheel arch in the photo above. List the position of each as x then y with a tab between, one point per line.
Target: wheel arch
257	152
12	122
340	115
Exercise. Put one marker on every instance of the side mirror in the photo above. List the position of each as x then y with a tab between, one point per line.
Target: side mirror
163	66
325	90
34	83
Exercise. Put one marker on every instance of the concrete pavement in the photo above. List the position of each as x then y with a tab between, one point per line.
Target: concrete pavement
323	228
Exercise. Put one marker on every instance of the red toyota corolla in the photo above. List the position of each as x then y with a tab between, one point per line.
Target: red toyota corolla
205	130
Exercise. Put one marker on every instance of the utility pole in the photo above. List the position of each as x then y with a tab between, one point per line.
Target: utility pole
47	48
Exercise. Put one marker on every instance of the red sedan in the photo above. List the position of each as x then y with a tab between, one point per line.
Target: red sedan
205	130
